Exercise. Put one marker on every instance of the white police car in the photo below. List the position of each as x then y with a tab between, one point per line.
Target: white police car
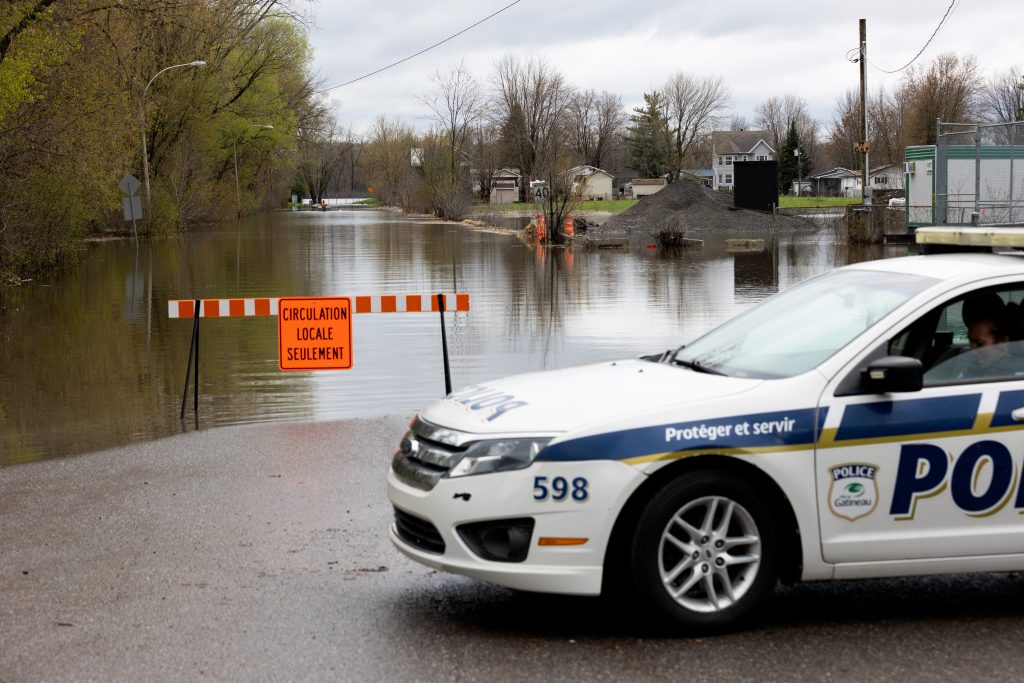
856	425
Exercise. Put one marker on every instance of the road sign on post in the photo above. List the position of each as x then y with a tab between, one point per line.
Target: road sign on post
314	333
131	204
129	184
132	208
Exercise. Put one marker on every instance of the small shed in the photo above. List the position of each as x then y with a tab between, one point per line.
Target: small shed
505	186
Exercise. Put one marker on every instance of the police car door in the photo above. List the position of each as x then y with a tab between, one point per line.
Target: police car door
935	473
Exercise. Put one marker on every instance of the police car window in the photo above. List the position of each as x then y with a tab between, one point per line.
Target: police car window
796	330
979	337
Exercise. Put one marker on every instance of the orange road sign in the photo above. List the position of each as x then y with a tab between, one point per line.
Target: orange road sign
314	333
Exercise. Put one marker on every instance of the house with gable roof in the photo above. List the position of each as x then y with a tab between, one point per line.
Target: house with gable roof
589	182
837	182
730	146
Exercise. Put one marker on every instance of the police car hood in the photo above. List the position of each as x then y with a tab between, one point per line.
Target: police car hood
556	401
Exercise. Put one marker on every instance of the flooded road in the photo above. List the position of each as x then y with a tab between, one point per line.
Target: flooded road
90	359
259	553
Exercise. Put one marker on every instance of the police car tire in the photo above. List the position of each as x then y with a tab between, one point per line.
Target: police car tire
654	558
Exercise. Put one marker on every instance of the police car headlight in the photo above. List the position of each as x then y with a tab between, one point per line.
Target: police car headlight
498	456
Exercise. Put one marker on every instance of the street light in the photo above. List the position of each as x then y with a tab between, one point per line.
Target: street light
238	189
142	122
799	175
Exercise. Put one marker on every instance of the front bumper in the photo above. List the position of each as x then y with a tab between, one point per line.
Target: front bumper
572	570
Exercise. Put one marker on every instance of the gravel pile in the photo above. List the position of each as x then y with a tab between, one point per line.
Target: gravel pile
688	207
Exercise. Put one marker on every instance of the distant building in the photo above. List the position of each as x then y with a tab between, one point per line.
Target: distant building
643	187
730	146
505	186
590	182
888	177
837	182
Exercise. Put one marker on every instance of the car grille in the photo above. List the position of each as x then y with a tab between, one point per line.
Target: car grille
418	532
423	458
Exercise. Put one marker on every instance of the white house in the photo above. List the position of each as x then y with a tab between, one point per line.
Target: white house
730	146
888	177
644	187
838	182
592	183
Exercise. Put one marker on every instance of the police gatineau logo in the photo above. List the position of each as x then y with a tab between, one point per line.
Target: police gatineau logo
853	492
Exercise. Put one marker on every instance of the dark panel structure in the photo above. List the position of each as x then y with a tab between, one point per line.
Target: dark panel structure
756	185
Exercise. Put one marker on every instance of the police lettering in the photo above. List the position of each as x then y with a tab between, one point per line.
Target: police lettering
844	471
480	398
924	471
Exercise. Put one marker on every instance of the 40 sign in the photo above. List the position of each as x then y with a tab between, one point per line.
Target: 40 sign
314	333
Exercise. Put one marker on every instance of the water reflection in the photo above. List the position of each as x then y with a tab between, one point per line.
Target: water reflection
91	360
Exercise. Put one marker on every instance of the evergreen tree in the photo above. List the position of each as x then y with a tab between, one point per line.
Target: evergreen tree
648	137
789	170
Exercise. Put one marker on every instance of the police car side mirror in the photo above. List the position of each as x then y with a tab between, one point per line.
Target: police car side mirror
893	374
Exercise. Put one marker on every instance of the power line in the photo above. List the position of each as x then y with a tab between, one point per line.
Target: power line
426	49
949	11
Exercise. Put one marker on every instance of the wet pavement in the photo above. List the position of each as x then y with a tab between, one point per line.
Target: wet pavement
259	553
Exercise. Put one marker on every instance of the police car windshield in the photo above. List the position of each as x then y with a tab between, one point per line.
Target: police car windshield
797	330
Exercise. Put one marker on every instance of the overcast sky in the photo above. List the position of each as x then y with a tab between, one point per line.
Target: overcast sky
760	48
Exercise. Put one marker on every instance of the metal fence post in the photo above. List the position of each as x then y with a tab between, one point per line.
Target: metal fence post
977	169
193	354
1009	208
444	347
940	177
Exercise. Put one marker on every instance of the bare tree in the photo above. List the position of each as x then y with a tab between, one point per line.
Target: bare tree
1004	96
845	131
594	122
388	156
322	155
580	124
887	114
456	105
695	107
738	122
485	152
776	113
529	103
949	89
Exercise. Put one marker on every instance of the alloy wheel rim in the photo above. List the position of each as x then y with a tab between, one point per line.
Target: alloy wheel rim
709	554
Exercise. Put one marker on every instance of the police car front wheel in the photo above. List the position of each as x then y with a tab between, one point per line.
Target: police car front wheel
705	551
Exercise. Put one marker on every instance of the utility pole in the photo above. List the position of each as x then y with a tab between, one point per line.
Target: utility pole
864	109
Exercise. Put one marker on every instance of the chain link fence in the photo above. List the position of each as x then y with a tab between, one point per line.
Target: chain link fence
979	173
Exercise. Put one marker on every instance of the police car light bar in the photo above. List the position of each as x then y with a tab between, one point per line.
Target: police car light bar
971	237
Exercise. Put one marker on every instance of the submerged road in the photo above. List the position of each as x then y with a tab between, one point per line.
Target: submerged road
259	553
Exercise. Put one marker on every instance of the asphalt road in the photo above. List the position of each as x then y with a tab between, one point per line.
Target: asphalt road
259	553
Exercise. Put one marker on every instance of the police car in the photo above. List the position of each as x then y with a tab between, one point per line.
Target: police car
865	423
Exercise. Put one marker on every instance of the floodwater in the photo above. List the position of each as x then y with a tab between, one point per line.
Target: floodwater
91	360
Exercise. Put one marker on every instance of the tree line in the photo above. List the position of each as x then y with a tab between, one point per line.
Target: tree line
526	116
80	91
85	85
